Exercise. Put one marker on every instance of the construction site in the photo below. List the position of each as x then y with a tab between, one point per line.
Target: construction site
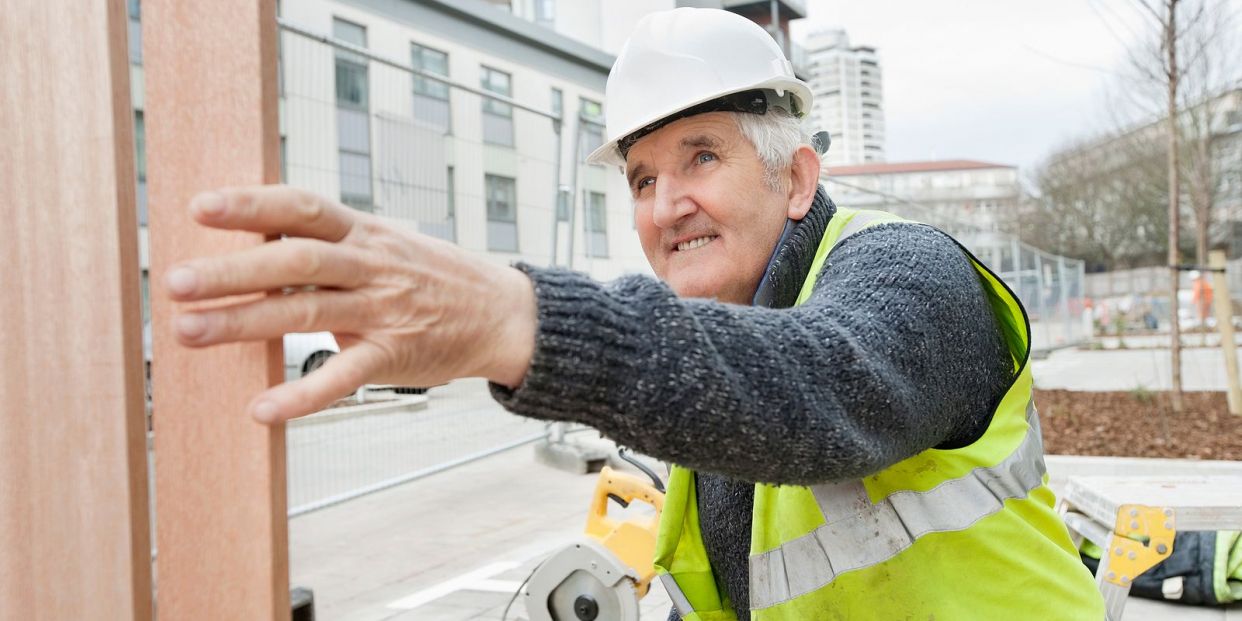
136	484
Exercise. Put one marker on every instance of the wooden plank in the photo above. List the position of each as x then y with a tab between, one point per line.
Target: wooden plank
1223	304
211	119
74	535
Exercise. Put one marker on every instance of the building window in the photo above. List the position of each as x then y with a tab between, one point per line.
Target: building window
140	145
431	97
353	118
558	102
501	213
140	164
135	31
596	226
450	213
545	13
591	114
497	115
446	228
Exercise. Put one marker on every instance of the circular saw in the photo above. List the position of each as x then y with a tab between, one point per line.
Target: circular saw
602	576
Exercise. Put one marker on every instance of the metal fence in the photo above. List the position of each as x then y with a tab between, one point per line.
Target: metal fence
1152	282
466	163
1050	287
336	456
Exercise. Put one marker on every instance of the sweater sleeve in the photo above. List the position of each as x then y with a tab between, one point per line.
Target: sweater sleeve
895	352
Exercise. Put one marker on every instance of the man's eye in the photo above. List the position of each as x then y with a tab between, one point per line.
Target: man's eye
644	182
705	157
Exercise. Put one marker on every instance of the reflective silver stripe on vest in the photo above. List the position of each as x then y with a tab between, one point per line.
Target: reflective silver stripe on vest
858	534
856	224
680	603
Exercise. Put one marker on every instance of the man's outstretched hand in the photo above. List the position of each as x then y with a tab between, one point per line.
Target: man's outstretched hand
405	308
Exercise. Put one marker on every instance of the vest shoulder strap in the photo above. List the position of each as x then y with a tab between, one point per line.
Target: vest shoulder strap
844	223
863	219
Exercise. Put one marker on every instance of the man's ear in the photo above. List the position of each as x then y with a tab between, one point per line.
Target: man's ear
803	181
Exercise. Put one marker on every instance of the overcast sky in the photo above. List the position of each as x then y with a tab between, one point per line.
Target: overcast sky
998	81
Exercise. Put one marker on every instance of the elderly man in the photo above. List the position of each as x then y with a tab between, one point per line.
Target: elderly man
846	394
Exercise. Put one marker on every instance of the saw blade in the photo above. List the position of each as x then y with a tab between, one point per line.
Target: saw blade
582	597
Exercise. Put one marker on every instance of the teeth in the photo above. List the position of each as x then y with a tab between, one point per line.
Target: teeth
695	243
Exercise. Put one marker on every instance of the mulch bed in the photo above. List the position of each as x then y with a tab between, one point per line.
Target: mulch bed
1138	424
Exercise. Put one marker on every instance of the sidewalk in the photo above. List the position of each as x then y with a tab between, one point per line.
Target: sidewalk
456	545
448	547
1127	369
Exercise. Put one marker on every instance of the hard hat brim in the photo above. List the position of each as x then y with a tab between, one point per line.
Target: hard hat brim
609	154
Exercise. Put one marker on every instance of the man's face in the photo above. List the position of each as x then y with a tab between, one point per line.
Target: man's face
706	218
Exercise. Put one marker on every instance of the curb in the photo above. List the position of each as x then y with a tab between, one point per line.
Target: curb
404	404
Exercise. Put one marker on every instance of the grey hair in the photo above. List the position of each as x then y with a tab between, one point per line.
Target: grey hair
776	136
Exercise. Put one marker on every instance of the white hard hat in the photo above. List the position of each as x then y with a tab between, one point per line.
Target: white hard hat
687	57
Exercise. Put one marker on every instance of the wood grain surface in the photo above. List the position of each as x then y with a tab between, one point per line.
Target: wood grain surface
74	535
211	119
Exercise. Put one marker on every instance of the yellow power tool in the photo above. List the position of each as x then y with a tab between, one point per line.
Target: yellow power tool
602	576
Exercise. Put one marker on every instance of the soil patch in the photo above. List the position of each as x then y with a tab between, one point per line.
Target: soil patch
1138	423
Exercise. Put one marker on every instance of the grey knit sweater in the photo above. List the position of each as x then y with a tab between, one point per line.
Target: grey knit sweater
895	352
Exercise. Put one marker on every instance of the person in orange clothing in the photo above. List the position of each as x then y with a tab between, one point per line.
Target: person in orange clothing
1201	296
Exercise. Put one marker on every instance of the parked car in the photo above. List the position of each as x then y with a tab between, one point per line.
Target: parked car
307	351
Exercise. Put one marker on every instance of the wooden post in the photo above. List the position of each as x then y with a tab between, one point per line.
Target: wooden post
1224	324
74	534
211	119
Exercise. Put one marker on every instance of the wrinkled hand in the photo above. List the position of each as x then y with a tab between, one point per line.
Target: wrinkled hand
405	308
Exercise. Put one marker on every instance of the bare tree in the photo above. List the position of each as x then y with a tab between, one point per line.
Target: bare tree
1207	77
1101	201
1182	57
1168	23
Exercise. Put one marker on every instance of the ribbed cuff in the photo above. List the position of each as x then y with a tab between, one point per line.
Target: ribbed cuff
586	345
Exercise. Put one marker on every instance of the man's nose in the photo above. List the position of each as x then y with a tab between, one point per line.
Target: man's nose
672	202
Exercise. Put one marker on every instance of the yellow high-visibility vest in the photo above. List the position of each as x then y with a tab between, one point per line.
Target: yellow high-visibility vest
951	535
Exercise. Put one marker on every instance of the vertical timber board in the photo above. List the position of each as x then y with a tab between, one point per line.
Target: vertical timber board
211	119
74	533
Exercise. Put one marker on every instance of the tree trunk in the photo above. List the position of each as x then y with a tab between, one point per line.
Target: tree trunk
1175	345
1203	224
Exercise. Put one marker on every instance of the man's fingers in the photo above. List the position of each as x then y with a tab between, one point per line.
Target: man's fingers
274	210
338	377
276	264
271	317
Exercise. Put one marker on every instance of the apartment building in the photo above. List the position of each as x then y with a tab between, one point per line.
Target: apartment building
849	96
605	24
953	194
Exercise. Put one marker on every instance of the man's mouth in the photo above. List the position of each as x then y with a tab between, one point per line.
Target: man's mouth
697	242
